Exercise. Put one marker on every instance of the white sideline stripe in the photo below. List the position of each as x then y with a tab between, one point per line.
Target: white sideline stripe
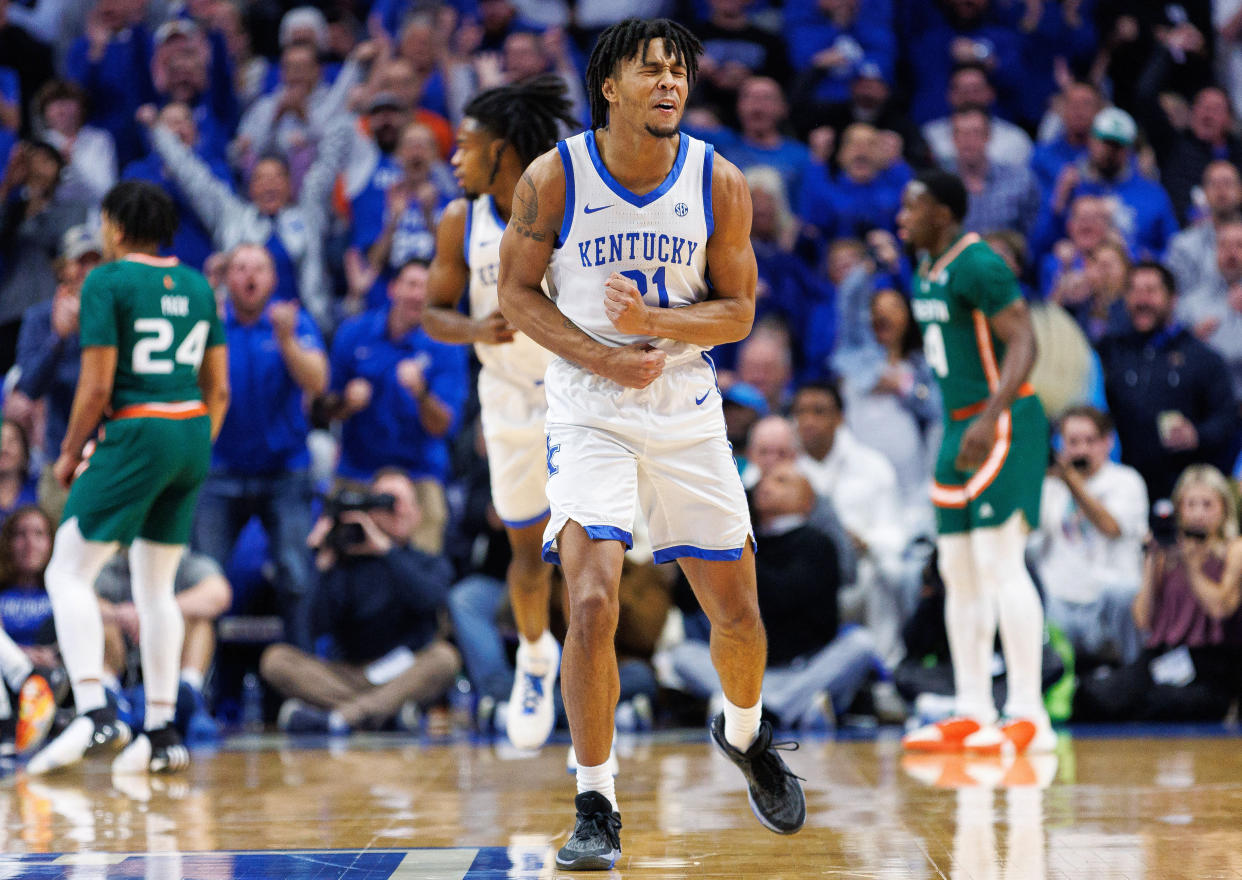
91	859
446	864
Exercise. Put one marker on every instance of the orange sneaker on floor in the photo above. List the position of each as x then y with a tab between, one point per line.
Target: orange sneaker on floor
948	735
1029	736
35	713
1017	736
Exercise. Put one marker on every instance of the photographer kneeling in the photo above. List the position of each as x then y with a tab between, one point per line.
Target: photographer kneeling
1089	544
379	599
1188	607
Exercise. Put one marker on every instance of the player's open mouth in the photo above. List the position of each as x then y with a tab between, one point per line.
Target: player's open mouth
667	106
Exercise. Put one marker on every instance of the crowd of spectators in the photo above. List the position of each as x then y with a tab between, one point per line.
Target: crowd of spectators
308	151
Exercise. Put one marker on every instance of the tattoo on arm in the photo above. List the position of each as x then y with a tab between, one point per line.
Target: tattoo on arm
570	325
527	211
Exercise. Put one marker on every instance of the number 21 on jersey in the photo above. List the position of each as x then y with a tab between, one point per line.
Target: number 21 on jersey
640	281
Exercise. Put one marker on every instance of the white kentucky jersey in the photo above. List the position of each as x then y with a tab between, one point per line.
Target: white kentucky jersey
657	240
522	359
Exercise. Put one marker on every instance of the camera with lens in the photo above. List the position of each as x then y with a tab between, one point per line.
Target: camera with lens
344	535
1164	529
1163	523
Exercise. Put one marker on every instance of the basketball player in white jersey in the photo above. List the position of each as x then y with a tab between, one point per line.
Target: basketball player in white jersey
503	129
629	221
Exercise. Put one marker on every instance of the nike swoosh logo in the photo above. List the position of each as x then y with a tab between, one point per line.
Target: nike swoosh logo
699	400
589	210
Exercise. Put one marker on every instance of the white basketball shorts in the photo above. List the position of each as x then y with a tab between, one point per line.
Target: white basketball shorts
661	449
512	414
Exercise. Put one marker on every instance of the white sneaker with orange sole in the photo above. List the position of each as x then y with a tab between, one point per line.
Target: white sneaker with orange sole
1013	736
948	735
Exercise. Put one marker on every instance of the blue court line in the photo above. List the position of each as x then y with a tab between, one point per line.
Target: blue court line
449	863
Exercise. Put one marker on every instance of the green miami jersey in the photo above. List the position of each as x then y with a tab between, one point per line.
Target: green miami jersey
954	297
952	304
143	478
161	317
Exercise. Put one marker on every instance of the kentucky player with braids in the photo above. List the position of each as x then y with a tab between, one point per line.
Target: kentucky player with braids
644	236
502	131
977	338
155	365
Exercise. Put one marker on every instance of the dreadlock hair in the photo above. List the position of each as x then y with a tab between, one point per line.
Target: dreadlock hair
525	115
624	40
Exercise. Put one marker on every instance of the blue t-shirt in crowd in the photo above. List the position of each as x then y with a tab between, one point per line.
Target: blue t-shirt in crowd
50	367
117	85
10	90
843	208
865	40
791	158
265	429
932	64
1049	158
10	86
787	289
1143	214
413	240
26	612
389	432
1051	40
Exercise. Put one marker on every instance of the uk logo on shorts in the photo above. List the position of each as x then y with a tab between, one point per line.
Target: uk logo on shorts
552	450
681	209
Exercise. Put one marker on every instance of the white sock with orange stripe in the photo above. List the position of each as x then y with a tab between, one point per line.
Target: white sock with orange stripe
1000	551
970	621
162	629
70	582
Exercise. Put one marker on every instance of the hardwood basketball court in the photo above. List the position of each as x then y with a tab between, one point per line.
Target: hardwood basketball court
1155	804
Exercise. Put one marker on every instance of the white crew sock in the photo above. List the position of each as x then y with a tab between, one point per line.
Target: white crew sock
70	581
599	779
741	726
162	629
970	621
1001	552
533	650
192	677
15	666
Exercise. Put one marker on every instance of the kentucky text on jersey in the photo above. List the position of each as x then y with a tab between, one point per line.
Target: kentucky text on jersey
650	247
657	239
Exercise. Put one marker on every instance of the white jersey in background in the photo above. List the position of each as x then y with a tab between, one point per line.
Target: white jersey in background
511	397
522	361
658	240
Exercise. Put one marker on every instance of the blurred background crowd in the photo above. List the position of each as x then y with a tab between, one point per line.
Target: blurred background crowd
308	150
